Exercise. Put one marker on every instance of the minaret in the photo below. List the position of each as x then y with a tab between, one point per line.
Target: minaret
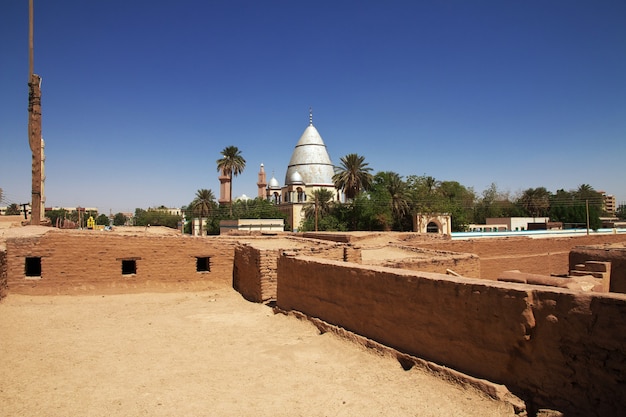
224	188
262	184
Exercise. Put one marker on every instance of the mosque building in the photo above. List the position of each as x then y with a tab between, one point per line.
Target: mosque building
310	168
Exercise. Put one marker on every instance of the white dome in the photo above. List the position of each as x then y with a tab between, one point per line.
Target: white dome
273	183
310	160
296	178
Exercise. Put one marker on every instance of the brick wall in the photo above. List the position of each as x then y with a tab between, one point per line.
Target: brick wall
558	349
465	264
92	262
255	271
615	254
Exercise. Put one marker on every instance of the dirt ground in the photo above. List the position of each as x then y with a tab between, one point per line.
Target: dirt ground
201	354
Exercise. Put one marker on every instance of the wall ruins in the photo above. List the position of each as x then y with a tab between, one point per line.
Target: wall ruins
70	262
613	253
556	348
255	270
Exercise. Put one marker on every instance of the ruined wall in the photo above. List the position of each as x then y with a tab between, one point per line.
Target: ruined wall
255	270
615	254
72	262
543	256
558	349
254	276
465	264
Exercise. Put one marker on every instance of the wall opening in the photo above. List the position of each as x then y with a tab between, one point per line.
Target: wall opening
432	228
129	266
203	264
32	266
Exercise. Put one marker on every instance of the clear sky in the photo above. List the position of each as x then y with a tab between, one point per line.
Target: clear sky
139	97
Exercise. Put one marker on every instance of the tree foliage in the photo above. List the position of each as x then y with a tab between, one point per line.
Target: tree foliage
231	164
156	217
13	210
119	219
353	176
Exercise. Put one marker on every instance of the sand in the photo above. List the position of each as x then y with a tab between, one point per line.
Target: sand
202	354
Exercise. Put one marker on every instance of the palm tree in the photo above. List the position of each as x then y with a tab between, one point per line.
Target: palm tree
536	201
202	204
353	176
398	200
321	205
231	163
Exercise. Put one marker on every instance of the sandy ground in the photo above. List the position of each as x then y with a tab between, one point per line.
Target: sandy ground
201	354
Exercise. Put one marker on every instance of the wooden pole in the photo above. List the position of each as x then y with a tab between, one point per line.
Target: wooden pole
34	123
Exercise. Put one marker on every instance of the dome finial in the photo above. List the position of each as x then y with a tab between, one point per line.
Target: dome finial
310	116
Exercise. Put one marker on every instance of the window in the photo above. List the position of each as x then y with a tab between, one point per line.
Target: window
203	264
32	266
129	266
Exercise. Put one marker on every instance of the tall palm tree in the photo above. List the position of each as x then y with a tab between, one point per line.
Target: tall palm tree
231	163
398	199
202	204
353	176
320	205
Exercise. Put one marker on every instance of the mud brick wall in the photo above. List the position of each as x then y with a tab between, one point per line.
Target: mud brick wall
254	276
465	264
3	274
557	349
536	256
616	254
92	262
255	270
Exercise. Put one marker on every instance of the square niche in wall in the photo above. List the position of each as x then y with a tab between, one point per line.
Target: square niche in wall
129	266
32	267
203	264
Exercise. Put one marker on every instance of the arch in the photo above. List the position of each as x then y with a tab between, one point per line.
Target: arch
432	227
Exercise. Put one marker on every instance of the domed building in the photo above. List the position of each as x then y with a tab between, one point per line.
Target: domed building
310	168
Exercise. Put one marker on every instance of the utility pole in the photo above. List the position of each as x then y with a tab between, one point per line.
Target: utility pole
587	210
34	123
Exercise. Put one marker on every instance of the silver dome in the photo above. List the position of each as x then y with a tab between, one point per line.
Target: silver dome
310	159
274	183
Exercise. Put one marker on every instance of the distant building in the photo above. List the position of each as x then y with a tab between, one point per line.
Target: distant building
609	203
309	169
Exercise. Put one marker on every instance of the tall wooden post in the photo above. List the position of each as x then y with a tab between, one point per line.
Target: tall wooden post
34	124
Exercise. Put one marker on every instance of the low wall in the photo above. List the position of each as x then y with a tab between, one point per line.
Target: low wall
615	254
557	349
82	262
543	256
255	270
465	264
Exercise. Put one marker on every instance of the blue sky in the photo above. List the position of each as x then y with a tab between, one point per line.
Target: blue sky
139	97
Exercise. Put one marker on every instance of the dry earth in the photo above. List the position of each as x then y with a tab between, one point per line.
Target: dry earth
201	354
213	353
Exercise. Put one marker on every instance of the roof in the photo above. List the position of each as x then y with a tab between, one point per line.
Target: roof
310	159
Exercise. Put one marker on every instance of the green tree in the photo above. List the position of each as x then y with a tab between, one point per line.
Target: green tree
390	190
103	220
203	205
156	217
13	210
119	219
353	176
319	206
231	164
535	201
